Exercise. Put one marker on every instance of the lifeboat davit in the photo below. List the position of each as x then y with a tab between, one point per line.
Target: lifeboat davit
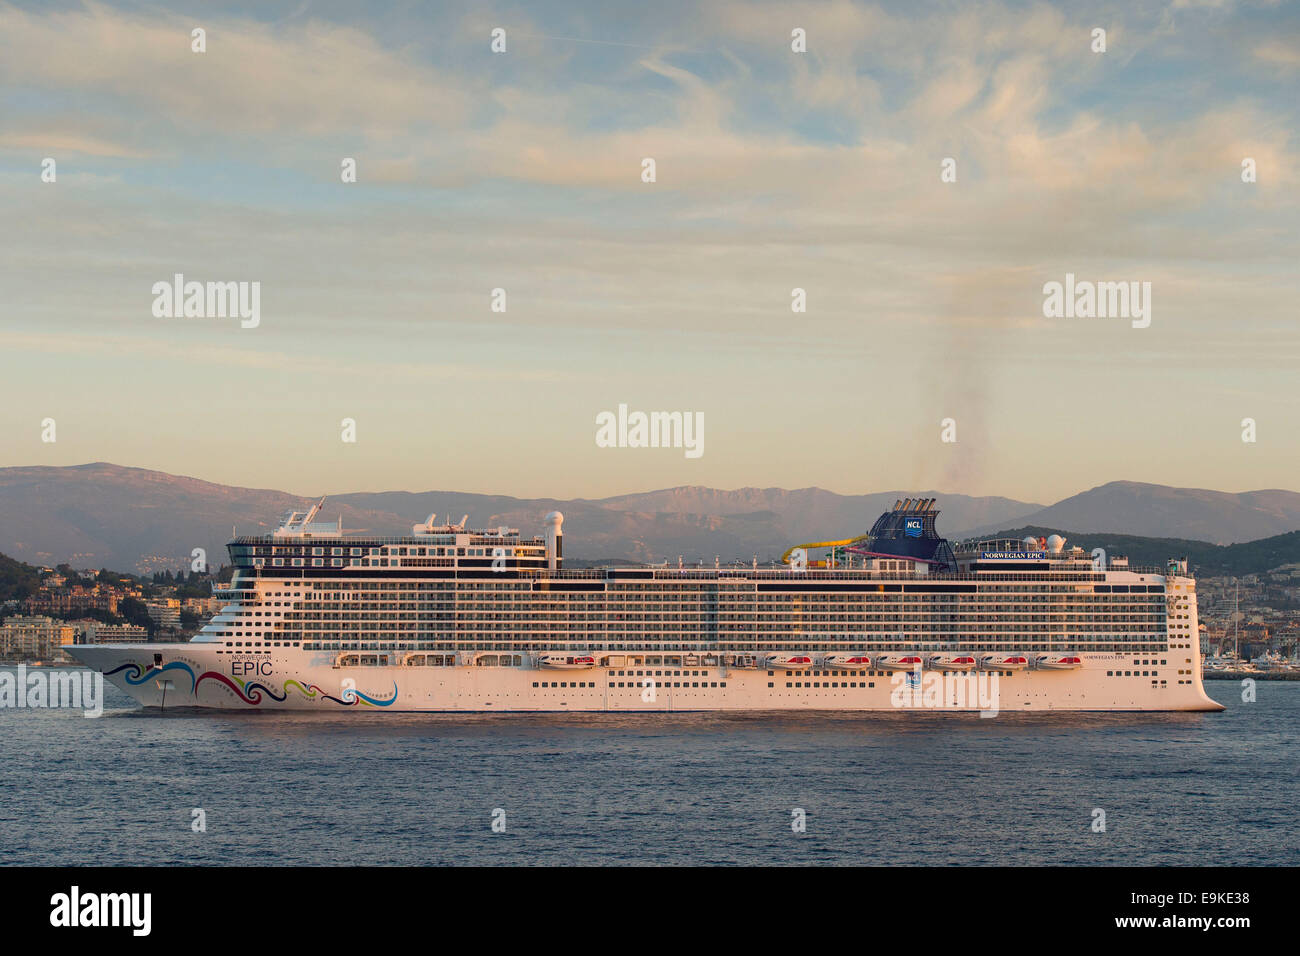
899	662
848	661
1059	662
1004	662
789	662
567	662
954	662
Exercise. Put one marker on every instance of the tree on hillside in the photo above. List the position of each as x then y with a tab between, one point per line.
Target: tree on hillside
70	577
135	612
92	613
17	580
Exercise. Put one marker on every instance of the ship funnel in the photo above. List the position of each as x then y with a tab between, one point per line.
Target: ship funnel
554	541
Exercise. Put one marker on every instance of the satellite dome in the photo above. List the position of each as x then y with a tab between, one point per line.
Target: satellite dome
1055	543
1030	543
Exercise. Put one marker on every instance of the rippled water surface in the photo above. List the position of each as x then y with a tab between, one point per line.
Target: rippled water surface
362	788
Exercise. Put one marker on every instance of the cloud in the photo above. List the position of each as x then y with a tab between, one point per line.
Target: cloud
203	353
776	169
1279	52
50	141
309	78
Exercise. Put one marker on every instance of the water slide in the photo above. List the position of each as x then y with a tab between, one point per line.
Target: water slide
785	558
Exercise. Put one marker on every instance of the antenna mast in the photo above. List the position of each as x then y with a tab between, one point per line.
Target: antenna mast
1236	616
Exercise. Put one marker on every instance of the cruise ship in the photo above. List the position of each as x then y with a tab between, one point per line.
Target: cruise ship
451	619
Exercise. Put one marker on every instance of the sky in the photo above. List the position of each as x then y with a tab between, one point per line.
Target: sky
775	170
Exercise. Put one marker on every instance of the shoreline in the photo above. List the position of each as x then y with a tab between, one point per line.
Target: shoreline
1254	675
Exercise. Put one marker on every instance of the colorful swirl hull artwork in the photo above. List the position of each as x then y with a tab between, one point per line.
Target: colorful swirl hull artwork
251	692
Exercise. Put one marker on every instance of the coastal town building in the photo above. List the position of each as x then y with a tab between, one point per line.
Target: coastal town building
94	632
35	638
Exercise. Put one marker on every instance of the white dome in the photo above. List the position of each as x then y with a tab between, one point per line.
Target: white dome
1030	543
1055	544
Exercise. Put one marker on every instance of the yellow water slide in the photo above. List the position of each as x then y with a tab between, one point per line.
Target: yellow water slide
785	558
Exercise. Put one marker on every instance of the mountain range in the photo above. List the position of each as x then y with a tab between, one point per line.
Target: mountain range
105	515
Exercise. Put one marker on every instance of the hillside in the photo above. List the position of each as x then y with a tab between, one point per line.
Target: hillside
17	580
1136	508
103	515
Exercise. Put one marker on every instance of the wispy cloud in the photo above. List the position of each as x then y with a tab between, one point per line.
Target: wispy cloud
775	170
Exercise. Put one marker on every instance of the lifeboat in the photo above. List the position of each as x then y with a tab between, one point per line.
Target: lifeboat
954	662
789	662
848	661
1059	662
741	660
1004	662
899	662
567	662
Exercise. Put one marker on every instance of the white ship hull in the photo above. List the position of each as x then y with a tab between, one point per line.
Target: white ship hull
195	675
445	619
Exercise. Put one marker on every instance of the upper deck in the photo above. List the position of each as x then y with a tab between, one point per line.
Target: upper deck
903	546
447	587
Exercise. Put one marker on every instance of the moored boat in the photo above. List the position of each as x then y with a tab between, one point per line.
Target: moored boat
1004	662
954	662
449	619
1059	662
567	662
847	661
899	662
789	662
